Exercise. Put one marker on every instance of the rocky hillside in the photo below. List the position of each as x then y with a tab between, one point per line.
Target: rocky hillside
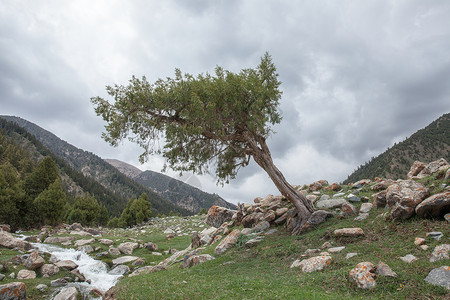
427	144
92	166
180	193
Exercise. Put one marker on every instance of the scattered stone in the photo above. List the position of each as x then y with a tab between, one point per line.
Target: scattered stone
151	246
42	288
249	220
254	242
350	255
363	275
168	231
353	198
434	206
440	252
262	226
362	216
447	216
78	274
313	264
128	247
439	276
336	249
67	293
409	258
83	242
365	207
437	235
379	199
58	239
106	242
34	261
217	215
270	232
8	241
316	218
12	275
330	203
2	277
138	262
196	260
419	241
348	209
114	251
119	270
228	242
66	264
80	232
147	270
13	291
281	211
26	274
424	247
124	259
86	249
384	270
326	245
416	167
403	197
48	270
348	232
432	167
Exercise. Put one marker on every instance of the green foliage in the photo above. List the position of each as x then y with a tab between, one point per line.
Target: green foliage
87	211
206	120
41	178
113	222
136	212
51	204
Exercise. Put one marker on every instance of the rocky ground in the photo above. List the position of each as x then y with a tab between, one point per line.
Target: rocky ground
351	230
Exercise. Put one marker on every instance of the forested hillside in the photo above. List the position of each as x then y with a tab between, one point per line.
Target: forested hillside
109	186
426	145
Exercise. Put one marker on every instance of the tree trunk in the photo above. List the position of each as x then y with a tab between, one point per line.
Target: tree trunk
303	206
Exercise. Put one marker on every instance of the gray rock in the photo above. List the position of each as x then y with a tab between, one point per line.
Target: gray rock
439	276
403	197
313	264
434	206
261	226
361	217
42	287
254	242
8	241
48	270
228	242
58	282
437	235
67	293
336	249
409	258
196	260
440	252
218	215
127	247
106	242
34	261
124	259
330	203
2	277
83	242
13	291
384	270
113	251
86	249
365	207
316	218
119	270
66	264
350	255
26	274
353	198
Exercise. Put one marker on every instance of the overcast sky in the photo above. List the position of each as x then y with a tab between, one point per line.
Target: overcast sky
356	76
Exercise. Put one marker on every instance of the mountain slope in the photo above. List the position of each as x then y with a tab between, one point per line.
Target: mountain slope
180	193
90	165
426	145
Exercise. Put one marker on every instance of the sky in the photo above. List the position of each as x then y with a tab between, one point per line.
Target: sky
357	76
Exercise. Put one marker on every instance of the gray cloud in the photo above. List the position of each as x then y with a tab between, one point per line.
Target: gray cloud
357	76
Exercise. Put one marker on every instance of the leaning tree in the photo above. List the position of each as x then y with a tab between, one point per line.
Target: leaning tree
206	122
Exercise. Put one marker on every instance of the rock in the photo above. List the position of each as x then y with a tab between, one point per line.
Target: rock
439	276
437	235
66	264
379	199
80	232
270	216
434	206
67	293
106	242
75	226
147	270
2	277
249	220
382	185
447	217
330	203
58	282
42	287
359	184
26	274
119	270
424	247
348	209
365	207
124	259
246	231
363	275
384	270
333	187
34	261
48	270
313	264
315	186
138	262
261	226
254	242
415	169
86	249
13	291
113	251
350	255
403	197
217	215
5	227
228	242
432	168
8	241
361	217
440	252
326	245
281	211
83	242
311	198
151	246
127	247
78	274
196	260
348	232
58	239
168	231
316	218
409	258
353	198
336	249
419	241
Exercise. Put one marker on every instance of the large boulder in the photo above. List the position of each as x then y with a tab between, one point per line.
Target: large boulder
128	247
379	199
439	276
34	261
66	264
432	168
13	291
434	206
313	264
316	218
124	260
26	274
349	232
363	275
330	203
67	293
415	169
403	197
79	243
249	220
218	215
119	270
58	239
228	242
48	270
8	241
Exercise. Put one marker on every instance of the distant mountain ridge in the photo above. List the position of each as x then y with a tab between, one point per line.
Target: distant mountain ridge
92	166
426	145
176	191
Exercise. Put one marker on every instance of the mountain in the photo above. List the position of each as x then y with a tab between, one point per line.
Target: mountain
426	145
177	191
117	185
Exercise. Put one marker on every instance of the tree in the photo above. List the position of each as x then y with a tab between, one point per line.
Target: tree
207	121
51	204
87	211
136	212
